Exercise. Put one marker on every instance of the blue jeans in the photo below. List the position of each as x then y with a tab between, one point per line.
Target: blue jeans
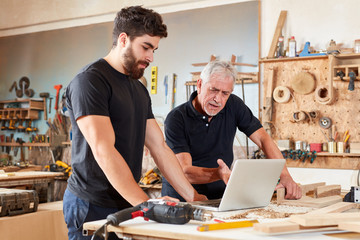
78	211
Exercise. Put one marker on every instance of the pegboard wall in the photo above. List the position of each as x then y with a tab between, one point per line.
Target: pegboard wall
338	104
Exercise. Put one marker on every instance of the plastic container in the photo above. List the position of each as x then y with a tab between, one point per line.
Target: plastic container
280	47
292	47
357	46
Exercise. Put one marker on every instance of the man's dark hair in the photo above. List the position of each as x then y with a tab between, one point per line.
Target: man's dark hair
137	21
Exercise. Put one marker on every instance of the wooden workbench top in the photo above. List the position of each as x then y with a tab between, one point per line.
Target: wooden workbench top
26	175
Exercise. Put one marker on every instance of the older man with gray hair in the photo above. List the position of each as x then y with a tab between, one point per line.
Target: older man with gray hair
201	134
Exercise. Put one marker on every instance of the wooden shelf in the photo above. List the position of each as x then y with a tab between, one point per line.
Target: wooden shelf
326	154
36	144
25	109
267	60
10	144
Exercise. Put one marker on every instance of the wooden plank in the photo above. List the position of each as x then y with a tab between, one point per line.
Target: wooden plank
268	112
310	187
306	201
329	219
335	208
280	195
276	227
350	226
277	33
287	227
328	190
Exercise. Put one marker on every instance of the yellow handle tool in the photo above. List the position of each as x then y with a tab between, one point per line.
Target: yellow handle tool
226	225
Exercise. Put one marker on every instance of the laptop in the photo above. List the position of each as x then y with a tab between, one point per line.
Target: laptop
251	185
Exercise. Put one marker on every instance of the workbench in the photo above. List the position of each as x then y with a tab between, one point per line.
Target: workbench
138	228
18	179
46	223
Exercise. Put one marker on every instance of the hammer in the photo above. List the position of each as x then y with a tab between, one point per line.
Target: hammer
44	95
57	87
352	76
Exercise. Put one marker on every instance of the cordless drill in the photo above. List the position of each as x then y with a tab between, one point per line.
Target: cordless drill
157	210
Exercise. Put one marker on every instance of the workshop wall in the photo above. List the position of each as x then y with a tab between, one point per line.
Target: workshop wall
317	22
54	57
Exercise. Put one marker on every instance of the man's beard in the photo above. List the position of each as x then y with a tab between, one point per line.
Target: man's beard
131	65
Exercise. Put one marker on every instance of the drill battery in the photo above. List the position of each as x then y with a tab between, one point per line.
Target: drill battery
16	201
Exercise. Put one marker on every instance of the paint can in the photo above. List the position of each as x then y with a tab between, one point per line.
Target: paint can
332	147
298	145
340	147
325	147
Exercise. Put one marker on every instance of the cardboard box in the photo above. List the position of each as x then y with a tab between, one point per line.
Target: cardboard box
355	147
47	223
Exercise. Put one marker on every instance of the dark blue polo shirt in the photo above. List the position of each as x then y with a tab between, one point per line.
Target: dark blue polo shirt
187	130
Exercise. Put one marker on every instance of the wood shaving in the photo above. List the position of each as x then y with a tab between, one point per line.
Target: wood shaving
272	211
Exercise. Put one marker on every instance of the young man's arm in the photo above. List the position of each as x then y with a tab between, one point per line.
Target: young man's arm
267	145
167	162
100	135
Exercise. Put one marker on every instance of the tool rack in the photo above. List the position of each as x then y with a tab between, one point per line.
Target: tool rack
340	105
22	109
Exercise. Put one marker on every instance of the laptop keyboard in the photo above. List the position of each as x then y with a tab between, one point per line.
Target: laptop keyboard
209	203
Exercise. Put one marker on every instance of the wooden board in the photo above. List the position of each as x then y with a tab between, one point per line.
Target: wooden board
307	201
328	190
287	227
335	208
278	29
277	227
350	226
314	220
27	175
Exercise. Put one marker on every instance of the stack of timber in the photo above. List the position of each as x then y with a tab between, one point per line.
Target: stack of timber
331	217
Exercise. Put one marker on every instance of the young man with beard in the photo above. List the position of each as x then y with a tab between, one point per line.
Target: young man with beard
111	116
201	133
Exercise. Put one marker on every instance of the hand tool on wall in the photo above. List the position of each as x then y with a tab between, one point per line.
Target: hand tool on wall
18	140
29	92
7	139
44	96
154	75
340	74
18	92
12	125
325	122
14	85
158	210
352	76
50	100
57	87
2	138
24	86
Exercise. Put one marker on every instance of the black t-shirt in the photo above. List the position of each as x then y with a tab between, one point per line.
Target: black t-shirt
187	130
99	89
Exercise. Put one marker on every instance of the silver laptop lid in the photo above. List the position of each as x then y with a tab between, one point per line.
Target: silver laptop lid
251	184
